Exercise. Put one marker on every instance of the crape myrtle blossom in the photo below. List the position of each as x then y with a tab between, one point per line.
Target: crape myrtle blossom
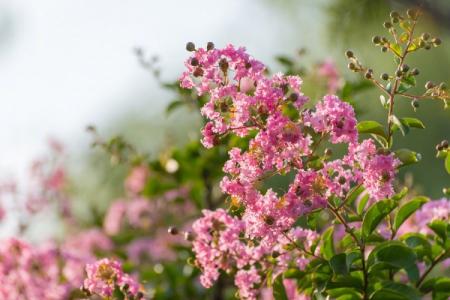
35	273
105	275
283	138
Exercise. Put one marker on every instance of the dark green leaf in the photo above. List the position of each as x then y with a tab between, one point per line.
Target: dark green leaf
440	228
375	214
284	60
394	291
408	209
174	105
279	291
339	264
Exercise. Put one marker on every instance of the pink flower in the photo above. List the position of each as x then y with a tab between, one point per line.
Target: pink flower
136	180
114	217
105	275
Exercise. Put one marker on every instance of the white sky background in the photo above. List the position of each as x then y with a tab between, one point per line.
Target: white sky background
68	63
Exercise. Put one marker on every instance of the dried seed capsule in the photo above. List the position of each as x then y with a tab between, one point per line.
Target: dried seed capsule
190	46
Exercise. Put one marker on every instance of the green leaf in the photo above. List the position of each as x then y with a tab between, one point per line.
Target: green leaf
375	214
279	291
447	163
284	60
328	244
174	105
371	127
354	193
418	242
437	284
396	49
339	264
408	209
351	258
398	125
394	254
407	157
440	228
399	196
413	122
393	290
362	204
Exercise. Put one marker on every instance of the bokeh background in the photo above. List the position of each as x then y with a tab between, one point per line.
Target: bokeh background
67	64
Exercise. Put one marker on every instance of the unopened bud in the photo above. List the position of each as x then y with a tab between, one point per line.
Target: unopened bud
384	49
194	62
436	41
384	76
387	25
328	152
412	13
349	54
442	86
293	97
351	66
223	64
405	68
376	39
427	47
368	74
198	72
429	85
425	36
415	72
394	14
415	103
190	46
189	236
399	73
444	144
210	46
172	230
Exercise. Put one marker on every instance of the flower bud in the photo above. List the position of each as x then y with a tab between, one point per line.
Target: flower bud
188	236
190	46
394	20
351	66
425	36
210	46
293	97
394	14
387	25
412	13
384	76
172	230
248	65
427	47
349	54
436	41
376	39
384	49
405	68
415	72
444	144
198	72
442	86
139	295
399	73
369	74
415	103
223	64
328	152
429	85
342	180
439	147
194	62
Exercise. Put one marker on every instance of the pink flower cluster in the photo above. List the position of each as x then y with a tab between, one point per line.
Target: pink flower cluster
35	273
105	275
283	138
220	244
